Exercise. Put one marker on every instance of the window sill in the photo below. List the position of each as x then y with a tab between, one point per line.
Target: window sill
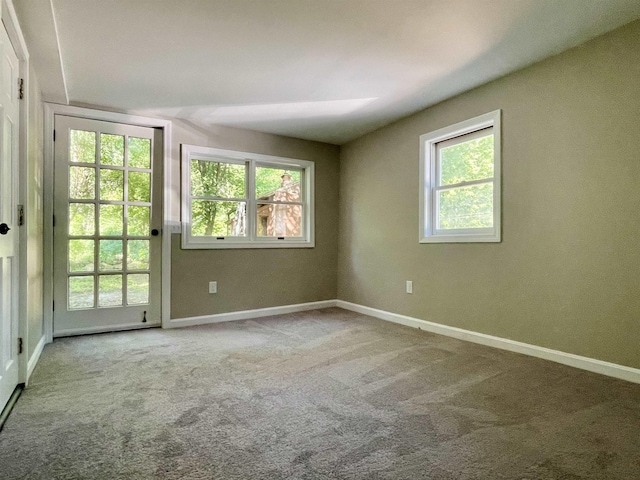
461	239
224	245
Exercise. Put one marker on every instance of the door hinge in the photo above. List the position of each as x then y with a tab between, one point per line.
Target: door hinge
20	215
20	88
19	345
53	305
54	135
53	223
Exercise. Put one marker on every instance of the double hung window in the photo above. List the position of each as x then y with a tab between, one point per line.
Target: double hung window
244	200
460	182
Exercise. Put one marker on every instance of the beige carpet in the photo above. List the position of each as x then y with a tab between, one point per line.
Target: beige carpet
326	394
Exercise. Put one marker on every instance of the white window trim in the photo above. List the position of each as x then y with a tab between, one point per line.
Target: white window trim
428	141
189	152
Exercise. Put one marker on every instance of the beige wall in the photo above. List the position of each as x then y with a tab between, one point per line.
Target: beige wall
257	278
567	273
34	219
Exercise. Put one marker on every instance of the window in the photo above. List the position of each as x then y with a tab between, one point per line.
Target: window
245	200
460	182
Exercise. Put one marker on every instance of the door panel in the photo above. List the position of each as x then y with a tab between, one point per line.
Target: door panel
107	201
9	238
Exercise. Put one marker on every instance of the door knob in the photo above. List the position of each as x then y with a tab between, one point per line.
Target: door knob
4	229
155	232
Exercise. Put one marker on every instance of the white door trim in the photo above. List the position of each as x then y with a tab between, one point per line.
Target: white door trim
168	227
10	21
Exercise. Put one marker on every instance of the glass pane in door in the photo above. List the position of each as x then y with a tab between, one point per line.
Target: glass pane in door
138	289
82	146
110	291
111	149
110	255
82	219
139	152
111	184
139	187
81	255
138	255
80	292
111	220
82	183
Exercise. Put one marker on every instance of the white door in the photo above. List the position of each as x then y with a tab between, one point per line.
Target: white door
9	124
107	217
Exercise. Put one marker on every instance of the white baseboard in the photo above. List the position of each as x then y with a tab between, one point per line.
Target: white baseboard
585	363
35	356
247	314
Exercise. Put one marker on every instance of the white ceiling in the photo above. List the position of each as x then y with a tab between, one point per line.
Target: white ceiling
327	70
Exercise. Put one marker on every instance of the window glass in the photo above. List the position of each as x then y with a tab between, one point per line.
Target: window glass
249	201
466	161
218	219
218	179
278	184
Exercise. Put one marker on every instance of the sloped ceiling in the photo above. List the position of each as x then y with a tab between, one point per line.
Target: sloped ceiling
326	70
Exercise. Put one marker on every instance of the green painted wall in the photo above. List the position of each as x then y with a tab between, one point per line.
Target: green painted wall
258	278
567	273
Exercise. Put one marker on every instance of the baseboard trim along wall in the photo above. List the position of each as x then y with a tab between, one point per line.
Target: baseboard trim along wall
247	314
35	356
585	363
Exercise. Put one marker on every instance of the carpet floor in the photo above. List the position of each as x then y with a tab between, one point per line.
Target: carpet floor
326	394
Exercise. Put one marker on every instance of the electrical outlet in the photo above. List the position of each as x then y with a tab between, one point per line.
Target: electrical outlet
409	286
213	287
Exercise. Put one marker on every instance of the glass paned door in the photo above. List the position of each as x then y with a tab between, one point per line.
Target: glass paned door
107	205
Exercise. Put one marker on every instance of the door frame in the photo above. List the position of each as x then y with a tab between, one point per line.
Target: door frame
168	227
10	21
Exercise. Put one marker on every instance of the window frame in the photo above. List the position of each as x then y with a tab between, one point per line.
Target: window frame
251	160
429	185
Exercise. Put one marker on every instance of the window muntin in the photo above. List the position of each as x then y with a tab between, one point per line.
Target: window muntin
244	200
460	182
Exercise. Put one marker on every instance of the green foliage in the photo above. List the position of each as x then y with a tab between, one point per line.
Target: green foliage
218	180
469	206
467	161
110	252
218	215
138	254
111	184
138	221
111	220
81	292
269	180
81	255
137	288
82	146
82	183
81	219
110	290
111	149
110	255
139	186
139	152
